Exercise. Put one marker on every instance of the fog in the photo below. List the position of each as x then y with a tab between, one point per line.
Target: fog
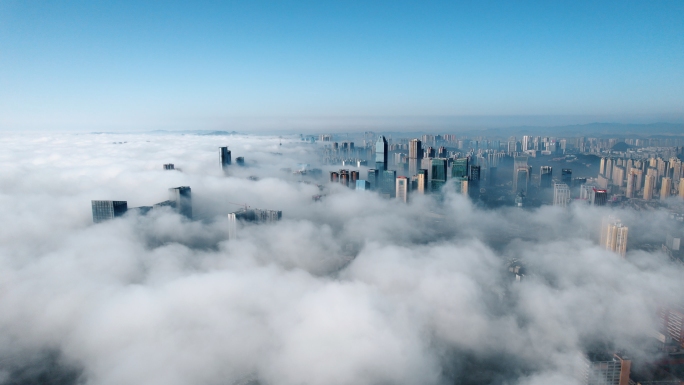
351	289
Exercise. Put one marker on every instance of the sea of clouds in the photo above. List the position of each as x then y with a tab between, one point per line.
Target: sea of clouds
353	289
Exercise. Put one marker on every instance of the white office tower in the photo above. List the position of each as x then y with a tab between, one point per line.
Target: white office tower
561	195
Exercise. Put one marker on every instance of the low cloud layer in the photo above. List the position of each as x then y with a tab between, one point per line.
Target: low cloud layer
353	289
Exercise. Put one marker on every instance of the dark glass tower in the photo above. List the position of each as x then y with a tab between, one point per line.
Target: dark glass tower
224	157
104	210
439	174
381	153
181	197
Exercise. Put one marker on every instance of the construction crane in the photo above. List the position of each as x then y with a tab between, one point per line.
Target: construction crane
244	205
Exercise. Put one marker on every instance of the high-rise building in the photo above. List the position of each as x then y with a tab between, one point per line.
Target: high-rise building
415	155
665	188
353	177
388	182
461	185
334	177
566	176
381	153
402	187
169	166
649	186
618	175
182	200
240	161
521	174
681	188
105	210
599	197
603	369
422	181
614	236
561	194
362	184
631	190
373	178
474	176
442	152
344	177
224	158
251	215
459	167
439	174
545	176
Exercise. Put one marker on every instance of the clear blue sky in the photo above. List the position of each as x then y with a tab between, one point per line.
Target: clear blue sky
154	64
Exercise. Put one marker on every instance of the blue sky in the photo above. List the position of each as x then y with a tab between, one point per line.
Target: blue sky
197	65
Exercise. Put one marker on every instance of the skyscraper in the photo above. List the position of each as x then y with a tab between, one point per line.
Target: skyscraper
224	158
388	186
373	178
461	185
459	167
631	184
561	194
182	199
381	153
439	174
402	186
614	236
415	155
665	188
334	176
251	215
521	174
344	177
474	176
105	210
545	176
422	181
362	184
649	186
566	176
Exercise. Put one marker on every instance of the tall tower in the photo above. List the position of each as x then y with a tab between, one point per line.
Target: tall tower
649	186
439	174
104	210
561	194
614	236
224	158
545	176
459	168
181	196
381	153
631	184
402	192
665	188
566	176
415	155
422	181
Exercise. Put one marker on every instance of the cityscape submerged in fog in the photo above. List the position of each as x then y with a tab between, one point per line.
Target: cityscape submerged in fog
604	176
342	192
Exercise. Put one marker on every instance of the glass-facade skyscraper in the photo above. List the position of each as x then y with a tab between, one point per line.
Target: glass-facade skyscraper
105	210
439	174
224	158
459	168
182	200
381	153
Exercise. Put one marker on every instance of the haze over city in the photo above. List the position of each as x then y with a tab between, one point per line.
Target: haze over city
321	193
